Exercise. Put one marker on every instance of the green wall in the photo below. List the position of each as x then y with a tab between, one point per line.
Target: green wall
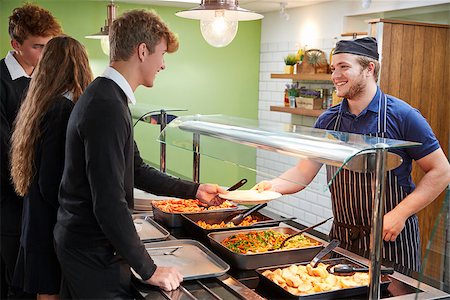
198	77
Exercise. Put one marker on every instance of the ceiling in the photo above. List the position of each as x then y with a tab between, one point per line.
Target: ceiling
260	6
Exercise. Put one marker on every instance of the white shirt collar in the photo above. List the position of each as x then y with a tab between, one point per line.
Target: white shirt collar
14	68
68	95
115	76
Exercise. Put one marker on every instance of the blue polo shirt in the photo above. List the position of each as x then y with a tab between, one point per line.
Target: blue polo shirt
403	123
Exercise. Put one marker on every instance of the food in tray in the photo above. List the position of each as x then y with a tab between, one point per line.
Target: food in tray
246	222
263	241
304	279
187	205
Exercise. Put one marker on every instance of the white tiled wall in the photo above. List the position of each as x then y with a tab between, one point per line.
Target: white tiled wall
313	204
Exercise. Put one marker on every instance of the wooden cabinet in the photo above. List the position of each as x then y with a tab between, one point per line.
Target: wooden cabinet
415	59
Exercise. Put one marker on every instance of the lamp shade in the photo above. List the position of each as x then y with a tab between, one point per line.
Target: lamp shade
219	20
103	34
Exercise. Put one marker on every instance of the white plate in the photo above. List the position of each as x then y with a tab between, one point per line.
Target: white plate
250	196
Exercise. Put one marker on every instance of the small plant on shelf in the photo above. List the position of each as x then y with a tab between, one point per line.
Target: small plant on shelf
290	60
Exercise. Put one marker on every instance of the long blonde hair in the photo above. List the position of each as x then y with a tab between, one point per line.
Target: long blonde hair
64	67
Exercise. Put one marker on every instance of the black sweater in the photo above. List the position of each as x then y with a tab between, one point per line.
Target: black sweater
12	93
101	167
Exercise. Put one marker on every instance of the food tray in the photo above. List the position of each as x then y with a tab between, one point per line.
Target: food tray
150	231
213	217
175	219
143	200
265	259
278	292
193	260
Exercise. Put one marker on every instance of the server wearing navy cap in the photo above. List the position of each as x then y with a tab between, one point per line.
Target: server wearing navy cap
366	110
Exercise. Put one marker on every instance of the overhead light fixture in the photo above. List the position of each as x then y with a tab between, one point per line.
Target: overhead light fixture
103	35
283	13
365	3
219	20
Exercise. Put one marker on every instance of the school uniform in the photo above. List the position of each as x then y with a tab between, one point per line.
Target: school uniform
13	86
351	192
37	269
96	241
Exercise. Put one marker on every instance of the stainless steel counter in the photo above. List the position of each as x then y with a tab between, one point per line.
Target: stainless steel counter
239	284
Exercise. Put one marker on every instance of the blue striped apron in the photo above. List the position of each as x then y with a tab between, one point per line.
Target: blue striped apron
351	194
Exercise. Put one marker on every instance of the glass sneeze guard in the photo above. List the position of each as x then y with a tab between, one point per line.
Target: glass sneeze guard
352	151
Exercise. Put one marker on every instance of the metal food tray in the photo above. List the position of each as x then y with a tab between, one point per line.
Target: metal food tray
264	259
173	220
192	259
214	217
150	231
278	292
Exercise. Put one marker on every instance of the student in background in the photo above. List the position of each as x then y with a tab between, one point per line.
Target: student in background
30	28
96	240
37	159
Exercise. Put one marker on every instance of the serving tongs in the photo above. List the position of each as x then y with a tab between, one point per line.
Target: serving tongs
333	244
348	270
237	219
300	232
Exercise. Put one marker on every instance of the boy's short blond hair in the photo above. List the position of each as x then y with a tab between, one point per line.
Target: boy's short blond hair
32	20
135	27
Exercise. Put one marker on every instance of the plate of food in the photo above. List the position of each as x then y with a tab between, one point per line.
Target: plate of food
250	196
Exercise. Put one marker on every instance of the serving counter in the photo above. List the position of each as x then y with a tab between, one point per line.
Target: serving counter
210	136
244	284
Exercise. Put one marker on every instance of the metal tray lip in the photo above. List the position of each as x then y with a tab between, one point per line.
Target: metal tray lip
207	231
259	271
262	229
155	224
193	212
220	262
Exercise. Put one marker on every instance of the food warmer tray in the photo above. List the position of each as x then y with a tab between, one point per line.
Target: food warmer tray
173	220
214	217
278	292
148	230
190	258
264	259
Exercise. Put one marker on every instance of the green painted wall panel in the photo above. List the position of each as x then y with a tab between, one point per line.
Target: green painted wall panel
198	77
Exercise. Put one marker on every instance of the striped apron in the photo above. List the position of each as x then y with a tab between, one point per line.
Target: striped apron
351	194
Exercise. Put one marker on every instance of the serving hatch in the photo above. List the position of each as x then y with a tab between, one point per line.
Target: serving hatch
251	261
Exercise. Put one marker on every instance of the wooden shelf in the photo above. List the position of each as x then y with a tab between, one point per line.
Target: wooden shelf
298	111
303	76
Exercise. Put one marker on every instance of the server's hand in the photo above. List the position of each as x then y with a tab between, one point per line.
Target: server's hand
208	194
393	224
166	278
263	186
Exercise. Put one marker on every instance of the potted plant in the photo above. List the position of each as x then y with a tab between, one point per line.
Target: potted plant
290	60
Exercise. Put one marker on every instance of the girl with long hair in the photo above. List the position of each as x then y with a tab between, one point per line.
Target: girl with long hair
37	159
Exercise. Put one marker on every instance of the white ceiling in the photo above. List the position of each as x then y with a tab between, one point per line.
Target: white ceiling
260	6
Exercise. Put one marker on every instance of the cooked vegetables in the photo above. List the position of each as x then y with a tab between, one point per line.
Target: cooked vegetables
263	241
246	222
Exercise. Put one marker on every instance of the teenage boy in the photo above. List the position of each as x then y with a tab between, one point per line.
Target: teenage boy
96	241
30	28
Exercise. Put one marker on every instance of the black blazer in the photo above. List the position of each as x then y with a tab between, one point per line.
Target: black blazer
41	202
101	168
12	93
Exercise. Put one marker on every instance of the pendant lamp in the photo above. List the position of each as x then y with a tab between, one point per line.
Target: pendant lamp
103	35
219	20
